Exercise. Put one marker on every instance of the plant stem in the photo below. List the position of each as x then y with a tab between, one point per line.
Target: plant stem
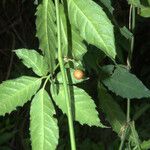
128	110
64	76
129	59
124	137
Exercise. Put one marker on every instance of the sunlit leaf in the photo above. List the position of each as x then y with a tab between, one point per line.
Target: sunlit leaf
46	31
77	47
34	60
84	106
43	126
17	92
93	24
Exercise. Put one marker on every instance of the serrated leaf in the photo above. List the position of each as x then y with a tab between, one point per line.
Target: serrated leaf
114	113
145	145
46	31
93	24
43	126
17	92
126	85
84	106
71	78
34	60
77	45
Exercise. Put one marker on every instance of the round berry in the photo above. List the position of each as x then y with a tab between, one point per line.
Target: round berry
78	74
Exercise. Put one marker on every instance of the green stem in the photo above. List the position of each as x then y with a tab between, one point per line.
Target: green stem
64	76
128	110
129	59
124	137
48	77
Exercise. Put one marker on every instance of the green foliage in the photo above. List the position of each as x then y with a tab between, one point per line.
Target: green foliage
126	33
134	136
145	145
34	60
108	5
125	84
145	11
136	3
75	34
84	106
46	31
17	92
114	114
143	5
43	126
95	27
77	45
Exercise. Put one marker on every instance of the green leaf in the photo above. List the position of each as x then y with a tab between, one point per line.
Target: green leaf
114	113
126	33
84	106
46	31
17	92
43	126
145	12
145	145
93	24
34	60
126	85
77	45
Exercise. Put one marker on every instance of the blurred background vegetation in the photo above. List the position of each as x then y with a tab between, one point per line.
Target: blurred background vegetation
17	30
